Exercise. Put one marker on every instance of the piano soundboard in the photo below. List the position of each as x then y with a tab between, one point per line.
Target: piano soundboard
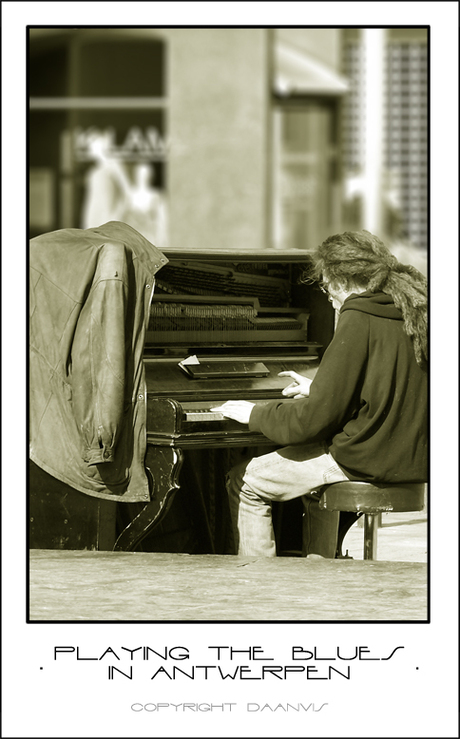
228	304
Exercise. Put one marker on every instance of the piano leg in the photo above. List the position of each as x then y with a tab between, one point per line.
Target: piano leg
164	464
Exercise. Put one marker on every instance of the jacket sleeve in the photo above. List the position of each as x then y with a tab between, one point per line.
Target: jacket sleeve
98	357
334	393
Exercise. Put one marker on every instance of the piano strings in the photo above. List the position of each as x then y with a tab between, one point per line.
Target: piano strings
203	279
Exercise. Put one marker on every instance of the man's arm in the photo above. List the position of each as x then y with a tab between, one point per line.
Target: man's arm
334	393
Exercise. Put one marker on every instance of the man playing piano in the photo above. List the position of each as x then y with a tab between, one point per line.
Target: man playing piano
363	417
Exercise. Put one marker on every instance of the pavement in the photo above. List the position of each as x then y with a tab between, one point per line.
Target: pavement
402	537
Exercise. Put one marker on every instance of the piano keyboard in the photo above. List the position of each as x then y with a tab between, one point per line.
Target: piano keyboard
205	414
199	411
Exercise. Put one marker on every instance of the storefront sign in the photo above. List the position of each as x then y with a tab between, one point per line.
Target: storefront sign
92	143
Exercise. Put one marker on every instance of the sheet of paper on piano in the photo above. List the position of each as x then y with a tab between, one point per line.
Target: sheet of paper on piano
184	363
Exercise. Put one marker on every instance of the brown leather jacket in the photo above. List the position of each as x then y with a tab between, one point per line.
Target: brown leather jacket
90	295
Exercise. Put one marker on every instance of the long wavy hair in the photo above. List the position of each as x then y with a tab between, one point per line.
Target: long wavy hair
360	259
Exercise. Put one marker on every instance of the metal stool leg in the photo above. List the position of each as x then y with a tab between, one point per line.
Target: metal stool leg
371	523
346	521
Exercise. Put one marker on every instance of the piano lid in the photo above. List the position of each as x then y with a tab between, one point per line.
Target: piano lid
239	254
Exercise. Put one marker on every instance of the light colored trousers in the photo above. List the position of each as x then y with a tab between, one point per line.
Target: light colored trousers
290	472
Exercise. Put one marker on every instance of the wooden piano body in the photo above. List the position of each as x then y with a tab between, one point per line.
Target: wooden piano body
231	310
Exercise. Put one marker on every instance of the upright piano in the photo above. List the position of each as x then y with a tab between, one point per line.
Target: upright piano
222	326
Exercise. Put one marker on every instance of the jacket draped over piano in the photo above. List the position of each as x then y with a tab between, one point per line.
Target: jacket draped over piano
368	401
90	295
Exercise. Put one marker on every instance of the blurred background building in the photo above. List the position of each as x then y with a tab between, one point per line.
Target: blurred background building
231	138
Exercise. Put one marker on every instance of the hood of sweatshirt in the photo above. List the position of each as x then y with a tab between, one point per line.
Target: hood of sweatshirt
376	304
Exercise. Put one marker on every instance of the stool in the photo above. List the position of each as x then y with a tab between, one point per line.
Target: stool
354	499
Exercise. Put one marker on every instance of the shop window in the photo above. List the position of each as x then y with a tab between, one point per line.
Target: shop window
97	131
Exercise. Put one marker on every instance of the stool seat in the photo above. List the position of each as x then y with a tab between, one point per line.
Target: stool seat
357	498
372	498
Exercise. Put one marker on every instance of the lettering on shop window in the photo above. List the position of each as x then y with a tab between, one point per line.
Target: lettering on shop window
147	144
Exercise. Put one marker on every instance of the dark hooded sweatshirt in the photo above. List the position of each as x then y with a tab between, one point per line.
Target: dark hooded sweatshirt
368	401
